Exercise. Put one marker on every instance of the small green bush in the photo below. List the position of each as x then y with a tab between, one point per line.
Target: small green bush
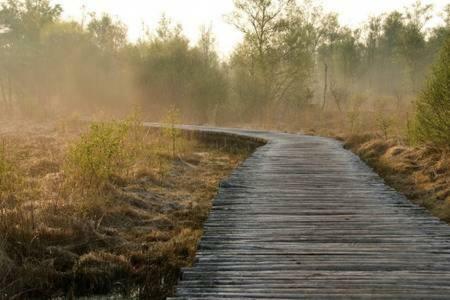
99	154
433	107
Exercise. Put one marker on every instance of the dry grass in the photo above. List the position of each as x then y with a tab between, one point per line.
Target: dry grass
421	173
61	235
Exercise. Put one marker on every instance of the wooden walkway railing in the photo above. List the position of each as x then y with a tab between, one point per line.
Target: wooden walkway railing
303	218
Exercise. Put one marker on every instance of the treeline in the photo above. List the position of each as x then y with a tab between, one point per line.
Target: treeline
48	64
171	73
294	58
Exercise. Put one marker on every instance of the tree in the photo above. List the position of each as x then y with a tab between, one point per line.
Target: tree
110	35
413	42
171	72
259	20
23	60
273	65
393	28
374	32
343	55
162	67
209	83
47	63
433	106
206	45
438	36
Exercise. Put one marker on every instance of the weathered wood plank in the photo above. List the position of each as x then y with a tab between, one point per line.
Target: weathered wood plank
303	218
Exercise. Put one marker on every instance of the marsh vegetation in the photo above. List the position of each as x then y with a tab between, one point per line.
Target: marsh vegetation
89	205
103	207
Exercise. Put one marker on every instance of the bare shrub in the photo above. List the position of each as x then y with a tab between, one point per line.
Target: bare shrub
340	95
383	118
354	113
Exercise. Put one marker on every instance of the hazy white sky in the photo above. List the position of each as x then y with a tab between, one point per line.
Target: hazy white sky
192	14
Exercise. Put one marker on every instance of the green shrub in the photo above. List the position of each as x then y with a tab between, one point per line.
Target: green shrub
99	154
433	107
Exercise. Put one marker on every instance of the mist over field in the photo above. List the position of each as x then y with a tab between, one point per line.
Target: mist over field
93	201
295	61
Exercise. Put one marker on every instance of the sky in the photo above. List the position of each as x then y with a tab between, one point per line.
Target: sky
193	14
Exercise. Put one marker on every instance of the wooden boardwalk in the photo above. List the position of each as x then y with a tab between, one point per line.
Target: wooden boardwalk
303	218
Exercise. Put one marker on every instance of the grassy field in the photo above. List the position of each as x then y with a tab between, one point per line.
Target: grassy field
102	208
112	207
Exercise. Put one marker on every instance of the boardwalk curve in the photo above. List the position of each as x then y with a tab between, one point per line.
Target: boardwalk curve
303	218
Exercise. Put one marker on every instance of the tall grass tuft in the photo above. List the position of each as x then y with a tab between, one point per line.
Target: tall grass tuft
9	174
170	130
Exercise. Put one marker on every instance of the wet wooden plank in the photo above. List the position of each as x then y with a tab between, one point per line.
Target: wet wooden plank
303	218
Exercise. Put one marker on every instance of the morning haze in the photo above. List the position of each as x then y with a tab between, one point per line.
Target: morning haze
212	149
194	14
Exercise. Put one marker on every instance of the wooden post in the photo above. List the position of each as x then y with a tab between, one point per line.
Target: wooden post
325	88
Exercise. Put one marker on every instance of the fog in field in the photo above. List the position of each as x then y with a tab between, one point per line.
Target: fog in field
94	202
283	64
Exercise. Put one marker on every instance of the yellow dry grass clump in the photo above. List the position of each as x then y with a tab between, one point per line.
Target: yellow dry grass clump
422	173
